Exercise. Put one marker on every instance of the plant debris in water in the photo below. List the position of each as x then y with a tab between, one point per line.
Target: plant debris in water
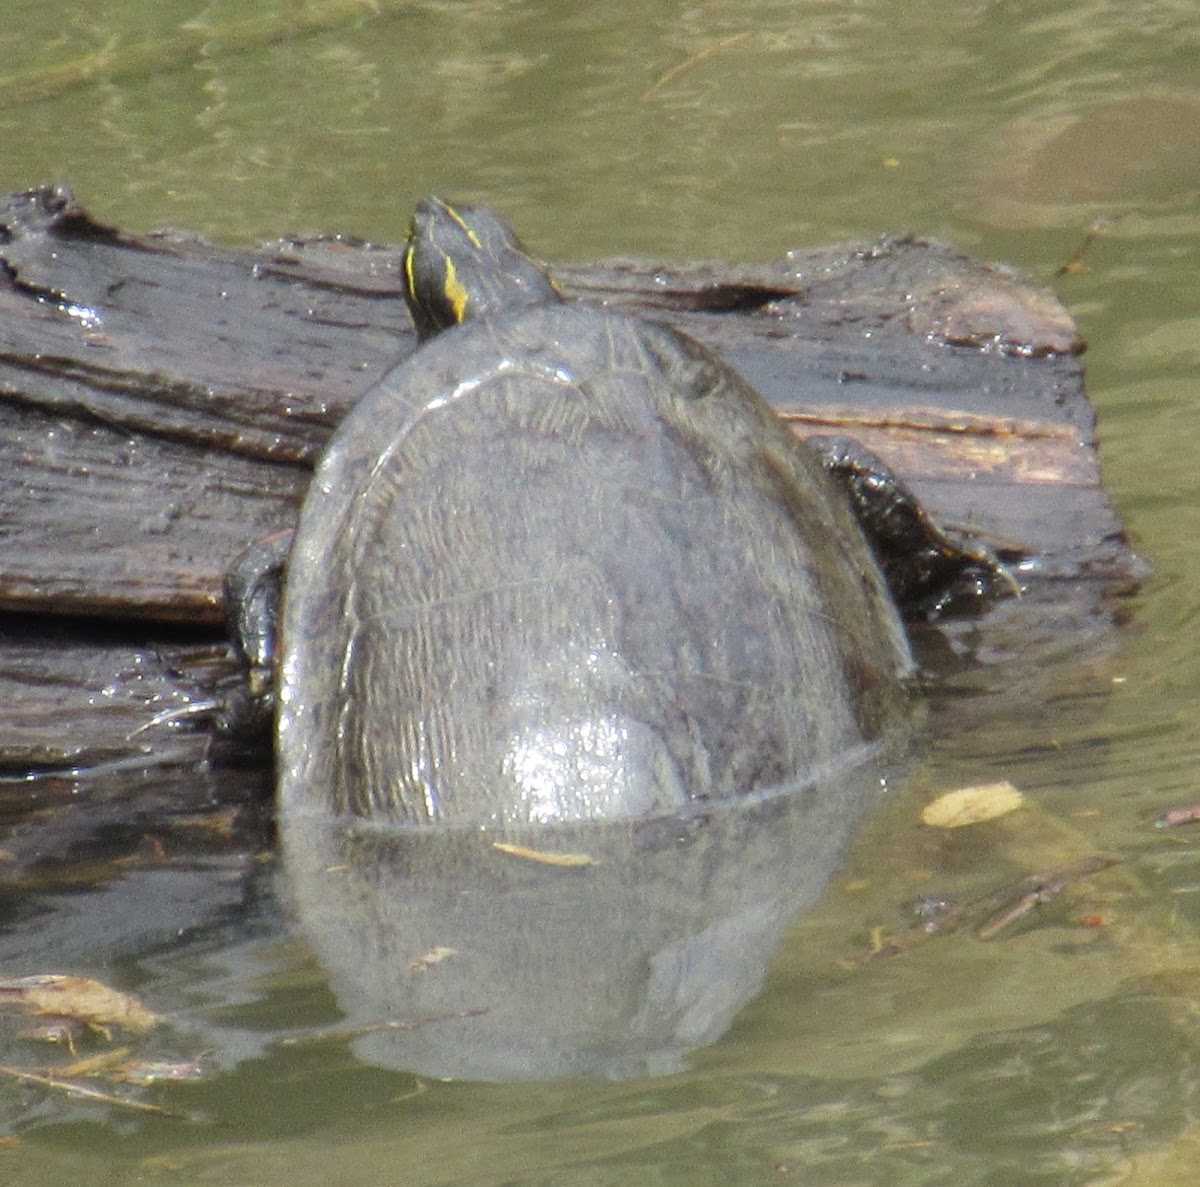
68	1006
77	999
435	956
1174	817
990	914
569	860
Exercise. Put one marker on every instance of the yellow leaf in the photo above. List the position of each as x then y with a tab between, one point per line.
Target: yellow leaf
972	805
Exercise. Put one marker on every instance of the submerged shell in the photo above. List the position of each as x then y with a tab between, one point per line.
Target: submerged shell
567	565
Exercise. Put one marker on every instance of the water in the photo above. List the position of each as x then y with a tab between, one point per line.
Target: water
1062	1055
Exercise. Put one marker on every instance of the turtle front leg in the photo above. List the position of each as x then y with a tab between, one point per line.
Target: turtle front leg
929	569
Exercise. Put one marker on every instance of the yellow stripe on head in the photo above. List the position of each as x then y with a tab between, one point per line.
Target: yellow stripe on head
456	294
410	278
468	230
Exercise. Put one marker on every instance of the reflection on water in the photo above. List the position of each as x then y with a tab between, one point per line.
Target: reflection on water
637	946
1058	1055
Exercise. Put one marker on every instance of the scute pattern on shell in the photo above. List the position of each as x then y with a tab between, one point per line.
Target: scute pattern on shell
565	564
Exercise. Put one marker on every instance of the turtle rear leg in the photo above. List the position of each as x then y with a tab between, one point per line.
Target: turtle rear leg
929	569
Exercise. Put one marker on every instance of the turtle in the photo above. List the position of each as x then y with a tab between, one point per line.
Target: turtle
562	564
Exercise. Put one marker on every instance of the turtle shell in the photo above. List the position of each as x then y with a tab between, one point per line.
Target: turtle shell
562	565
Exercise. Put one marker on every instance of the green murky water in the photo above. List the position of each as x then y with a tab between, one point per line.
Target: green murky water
1060	1056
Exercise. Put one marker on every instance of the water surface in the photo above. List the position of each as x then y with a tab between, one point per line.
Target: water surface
1059	1055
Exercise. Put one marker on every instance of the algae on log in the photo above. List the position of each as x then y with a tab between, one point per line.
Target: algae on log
162	401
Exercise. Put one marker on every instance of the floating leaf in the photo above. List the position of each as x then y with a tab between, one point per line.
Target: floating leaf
971	805
53	995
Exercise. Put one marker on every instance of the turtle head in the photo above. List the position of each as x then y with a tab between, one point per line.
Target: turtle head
465	262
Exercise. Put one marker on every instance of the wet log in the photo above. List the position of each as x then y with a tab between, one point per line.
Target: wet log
162	401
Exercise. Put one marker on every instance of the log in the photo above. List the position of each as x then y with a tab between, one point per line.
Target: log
163	399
